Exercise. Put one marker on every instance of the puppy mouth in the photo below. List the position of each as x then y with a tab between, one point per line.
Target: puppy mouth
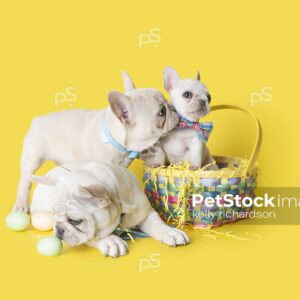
71	243
200	110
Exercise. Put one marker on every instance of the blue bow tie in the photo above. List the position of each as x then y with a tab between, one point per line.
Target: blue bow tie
108	139
203	130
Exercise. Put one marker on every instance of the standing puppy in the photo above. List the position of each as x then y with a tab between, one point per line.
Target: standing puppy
131	124
186	142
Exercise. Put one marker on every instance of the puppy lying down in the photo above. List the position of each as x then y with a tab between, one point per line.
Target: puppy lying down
89	200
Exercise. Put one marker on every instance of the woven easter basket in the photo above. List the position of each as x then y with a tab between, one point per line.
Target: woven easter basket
170	189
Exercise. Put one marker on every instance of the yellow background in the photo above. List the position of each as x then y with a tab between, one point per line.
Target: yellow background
240	47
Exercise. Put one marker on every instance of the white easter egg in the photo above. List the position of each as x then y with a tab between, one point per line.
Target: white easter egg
42	220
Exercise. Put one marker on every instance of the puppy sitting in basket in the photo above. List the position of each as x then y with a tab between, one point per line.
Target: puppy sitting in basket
186	143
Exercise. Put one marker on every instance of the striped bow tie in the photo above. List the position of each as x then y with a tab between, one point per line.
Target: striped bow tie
203	129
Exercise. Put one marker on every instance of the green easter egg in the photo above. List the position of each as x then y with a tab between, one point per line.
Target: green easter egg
49	246
17	221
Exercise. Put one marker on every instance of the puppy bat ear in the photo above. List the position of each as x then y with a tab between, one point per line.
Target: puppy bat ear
120	105
96	196
47	180
171	78
198	75
128	83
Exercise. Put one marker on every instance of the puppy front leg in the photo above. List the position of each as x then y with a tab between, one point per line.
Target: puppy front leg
111	245
154	156
196	153
31	160
156	228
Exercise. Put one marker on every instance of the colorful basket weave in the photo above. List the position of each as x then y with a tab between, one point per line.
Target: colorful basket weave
170	189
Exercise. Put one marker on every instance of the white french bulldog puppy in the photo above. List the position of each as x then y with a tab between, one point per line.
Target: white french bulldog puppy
133	122
186	142
89	201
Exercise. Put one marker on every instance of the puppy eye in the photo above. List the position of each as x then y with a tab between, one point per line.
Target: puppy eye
75	222
162	112
208	98
187	95
172	108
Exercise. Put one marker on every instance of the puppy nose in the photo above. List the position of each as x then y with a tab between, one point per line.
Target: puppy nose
209	98
202	102
59	232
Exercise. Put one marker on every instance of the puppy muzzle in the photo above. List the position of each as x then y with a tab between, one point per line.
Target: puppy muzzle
59	232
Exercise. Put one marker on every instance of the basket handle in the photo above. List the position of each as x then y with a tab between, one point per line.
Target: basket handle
256	149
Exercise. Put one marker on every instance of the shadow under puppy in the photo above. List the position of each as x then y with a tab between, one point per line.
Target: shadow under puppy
187	142
132	123
89	201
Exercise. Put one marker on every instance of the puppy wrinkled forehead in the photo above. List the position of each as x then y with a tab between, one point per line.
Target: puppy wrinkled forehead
150	100
193	85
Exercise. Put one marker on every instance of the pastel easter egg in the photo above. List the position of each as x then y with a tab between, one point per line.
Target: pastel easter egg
17	221
42	220
49	246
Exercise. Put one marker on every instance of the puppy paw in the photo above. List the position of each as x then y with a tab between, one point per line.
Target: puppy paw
112	246
174	237
20	206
